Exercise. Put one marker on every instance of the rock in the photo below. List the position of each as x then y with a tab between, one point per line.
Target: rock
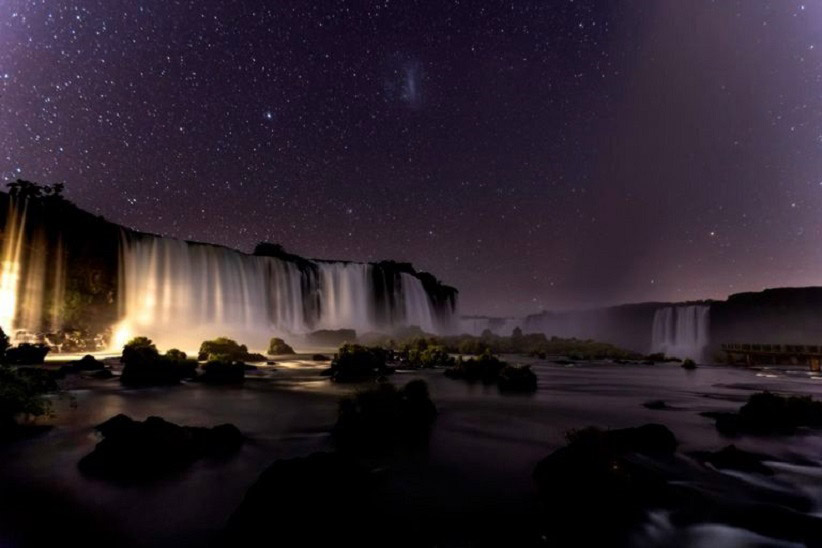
384	418
689	364
657	405
320	358
321	499
133	451
27	354
593	490
733	458
517	379
223	372
87	363
766	413
103	374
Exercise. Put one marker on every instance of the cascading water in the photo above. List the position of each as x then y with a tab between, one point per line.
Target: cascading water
681	331
181	293
32	278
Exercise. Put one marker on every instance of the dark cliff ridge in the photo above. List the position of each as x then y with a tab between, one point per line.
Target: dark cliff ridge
789	315
89	247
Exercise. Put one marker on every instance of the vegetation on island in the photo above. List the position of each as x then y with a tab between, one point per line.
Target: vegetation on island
22	390
489	369
357	363
277	347
143	365
225	349
532	344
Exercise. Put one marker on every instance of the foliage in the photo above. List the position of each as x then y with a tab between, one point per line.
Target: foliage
25	190
21	393
144	366
355	363
278	346
533	344
224	348
423	353
485	368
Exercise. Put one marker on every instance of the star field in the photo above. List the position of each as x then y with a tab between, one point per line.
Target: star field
533	154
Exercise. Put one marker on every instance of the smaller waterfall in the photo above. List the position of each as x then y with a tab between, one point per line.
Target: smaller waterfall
681	331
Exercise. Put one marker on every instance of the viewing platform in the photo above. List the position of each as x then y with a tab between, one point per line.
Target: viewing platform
775	354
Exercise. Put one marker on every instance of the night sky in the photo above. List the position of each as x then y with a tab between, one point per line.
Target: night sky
533	154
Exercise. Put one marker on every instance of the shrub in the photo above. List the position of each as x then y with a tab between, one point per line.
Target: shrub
355	363
223	348
485	368
278	346
21	393
144	366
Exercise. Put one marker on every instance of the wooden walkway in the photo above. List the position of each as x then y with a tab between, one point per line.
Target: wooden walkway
775	354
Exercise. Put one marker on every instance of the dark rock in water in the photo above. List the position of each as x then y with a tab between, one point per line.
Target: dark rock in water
88	363
103	374
320	358
27	354
766	413
598	489
657	405
688	364
593	491
322	499
732	458
133	451
223	372
517	379
384	418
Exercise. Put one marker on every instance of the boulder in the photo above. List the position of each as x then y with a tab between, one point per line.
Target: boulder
321	499
133	451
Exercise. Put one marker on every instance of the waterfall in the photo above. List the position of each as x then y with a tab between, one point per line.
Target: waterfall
681	331
32	277
181	293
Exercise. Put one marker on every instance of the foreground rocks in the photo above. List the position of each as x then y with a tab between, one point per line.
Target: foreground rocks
385	419
599	489
766	413
321	499
133	451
